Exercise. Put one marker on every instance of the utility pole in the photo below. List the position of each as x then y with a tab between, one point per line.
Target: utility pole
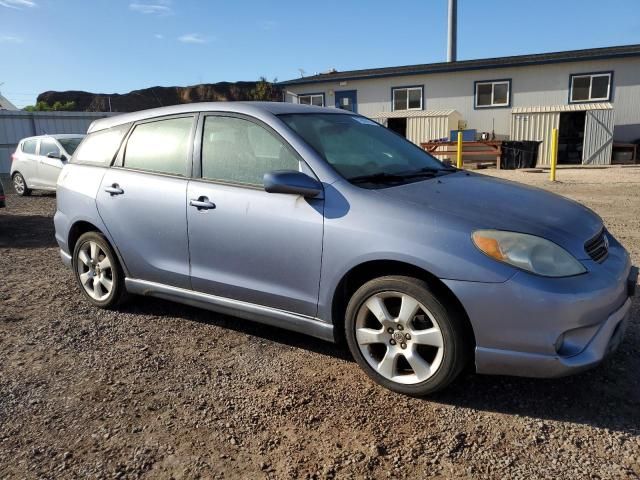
452	41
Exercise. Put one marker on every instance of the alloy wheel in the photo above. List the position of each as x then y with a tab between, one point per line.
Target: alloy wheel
94	270
18	184
399	337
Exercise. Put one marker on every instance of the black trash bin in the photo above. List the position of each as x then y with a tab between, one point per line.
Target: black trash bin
519	154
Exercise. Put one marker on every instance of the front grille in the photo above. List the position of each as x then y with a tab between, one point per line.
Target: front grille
598	247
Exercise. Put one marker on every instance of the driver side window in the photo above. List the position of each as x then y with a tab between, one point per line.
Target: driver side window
236	150
48	146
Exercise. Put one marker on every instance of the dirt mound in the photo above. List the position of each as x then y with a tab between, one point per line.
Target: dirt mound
156	96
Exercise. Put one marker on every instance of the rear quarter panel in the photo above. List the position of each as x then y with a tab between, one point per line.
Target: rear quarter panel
18	163
76	200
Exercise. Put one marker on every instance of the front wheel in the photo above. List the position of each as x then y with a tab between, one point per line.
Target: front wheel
98	271
404	337
20	185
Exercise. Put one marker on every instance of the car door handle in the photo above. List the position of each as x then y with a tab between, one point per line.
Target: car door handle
114	190
202	203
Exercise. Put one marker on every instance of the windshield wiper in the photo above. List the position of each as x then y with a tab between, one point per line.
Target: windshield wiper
383	177
427	171
380	177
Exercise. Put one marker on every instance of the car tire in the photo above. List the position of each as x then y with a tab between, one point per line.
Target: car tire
404	337
98	271
20	185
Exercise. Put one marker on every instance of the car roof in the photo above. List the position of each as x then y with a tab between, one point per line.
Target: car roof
257	109
56	136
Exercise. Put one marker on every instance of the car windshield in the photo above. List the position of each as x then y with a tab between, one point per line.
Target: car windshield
70	144
363	151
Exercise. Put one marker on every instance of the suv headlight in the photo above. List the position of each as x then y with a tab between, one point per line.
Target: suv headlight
528	252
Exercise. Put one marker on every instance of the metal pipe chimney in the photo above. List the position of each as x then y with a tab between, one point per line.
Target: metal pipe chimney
452	40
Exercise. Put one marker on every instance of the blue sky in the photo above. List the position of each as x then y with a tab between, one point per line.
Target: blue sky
113	46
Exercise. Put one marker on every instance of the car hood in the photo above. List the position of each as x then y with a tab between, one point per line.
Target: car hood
490	203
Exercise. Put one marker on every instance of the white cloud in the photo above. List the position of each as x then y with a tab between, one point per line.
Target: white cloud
10	39
17	3
155	8
192	38
159	36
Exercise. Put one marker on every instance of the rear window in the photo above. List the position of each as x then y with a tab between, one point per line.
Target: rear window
100	147
29	146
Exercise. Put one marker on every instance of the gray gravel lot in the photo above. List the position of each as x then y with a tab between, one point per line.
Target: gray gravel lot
160	390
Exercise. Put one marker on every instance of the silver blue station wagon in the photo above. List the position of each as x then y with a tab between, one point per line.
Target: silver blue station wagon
321	221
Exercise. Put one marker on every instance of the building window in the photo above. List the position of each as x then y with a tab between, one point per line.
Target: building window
407	98
316	99
493	93
590	87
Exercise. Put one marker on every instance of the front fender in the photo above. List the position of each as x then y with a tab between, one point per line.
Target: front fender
371	227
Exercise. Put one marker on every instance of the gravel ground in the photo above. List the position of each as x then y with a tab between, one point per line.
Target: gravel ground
160	390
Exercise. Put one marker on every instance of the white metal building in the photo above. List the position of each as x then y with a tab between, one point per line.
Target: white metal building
592	96
537	123
6	104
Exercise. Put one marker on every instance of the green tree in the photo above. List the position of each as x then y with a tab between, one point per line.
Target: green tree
265	90
57	107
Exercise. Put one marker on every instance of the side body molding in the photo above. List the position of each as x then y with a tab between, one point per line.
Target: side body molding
249	311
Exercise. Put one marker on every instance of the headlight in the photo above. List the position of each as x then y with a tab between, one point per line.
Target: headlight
531	253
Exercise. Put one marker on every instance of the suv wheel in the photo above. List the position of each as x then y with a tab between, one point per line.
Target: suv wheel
403	336
20	185
98	271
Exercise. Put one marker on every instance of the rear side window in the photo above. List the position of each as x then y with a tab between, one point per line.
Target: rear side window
48	146
161	146
29	146
239	151
100	147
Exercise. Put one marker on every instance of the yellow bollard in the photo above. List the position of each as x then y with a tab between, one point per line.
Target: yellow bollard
459	151
554	154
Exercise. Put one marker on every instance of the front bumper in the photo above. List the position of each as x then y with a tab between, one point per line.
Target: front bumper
549	327
606	340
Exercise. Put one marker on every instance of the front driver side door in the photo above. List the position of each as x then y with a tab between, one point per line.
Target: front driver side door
250	245
49	168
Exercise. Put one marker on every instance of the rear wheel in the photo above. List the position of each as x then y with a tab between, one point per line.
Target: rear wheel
98	271
20	185
404	337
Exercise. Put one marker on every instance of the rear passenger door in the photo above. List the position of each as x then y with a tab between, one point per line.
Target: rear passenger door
29	165
142	200
250	245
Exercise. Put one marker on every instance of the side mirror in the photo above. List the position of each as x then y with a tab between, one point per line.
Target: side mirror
54	155
291	181
63	158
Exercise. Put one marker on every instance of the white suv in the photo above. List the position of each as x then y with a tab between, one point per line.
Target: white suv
37	161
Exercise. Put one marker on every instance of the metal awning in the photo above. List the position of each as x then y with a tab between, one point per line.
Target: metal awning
573	107
415	113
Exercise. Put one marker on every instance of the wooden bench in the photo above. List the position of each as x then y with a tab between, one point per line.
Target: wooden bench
480	149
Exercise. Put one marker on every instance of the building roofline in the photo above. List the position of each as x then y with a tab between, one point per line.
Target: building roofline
5	104
479	64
